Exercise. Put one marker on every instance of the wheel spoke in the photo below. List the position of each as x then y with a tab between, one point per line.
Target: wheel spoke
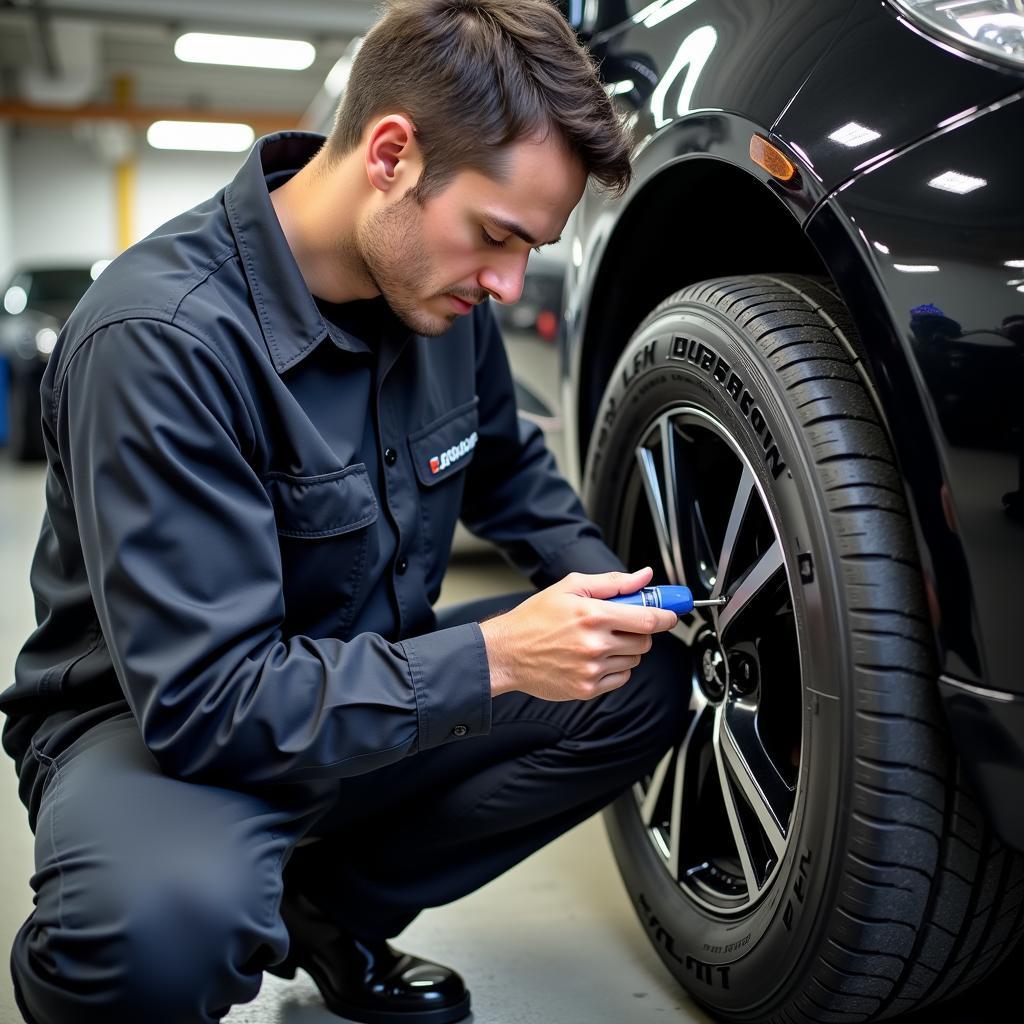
707	563
732	811
651	797
732	530
672	506
652	489
764	569
755	773
701	724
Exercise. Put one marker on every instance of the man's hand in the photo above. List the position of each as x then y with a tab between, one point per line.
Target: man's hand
564	643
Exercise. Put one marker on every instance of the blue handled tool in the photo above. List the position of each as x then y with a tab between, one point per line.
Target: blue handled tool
675	599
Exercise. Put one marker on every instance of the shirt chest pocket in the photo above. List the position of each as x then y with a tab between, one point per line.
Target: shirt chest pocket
325	528
441	451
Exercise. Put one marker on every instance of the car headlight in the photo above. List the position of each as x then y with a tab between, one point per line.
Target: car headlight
989	28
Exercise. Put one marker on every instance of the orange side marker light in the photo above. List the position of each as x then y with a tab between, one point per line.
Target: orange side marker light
765	155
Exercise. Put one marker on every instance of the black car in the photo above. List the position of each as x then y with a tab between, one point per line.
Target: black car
36	303
793	355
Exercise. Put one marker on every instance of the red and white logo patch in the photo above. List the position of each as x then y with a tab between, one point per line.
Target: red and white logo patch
453	454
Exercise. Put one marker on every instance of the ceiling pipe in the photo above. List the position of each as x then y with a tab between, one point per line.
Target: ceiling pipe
44	36
71	54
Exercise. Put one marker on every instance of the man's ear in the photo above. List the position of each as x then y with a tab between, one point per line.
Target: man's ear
392	154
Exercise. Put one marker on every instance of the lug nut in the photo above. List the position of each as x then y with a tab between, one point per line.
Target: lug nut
742	673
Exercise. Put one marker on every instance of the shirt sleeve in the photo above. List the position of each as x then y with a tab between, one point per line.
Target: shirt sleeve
515	495
181	551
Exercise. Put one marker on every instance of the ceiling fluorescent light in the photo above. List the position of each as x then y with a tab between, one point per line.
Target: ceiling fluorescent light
245	51
915	268
215	136
854	134
954	181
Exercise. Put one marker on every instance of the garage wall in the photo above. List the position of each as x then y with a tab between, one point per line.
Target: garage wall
63	194
168	183
62	199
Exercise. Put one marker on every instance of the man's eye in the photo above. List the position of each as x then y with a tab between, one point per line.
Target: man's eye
492	241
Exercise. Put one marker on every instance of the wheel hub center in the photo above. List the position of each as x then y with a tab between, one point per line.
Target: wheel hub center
712	667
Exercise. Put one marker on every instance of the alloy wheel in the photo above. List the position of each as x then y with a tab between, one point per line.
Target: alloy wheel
719	807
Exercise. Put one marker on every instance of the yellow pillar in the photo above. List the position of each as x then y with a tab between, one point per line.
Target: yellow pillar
124	175
125	203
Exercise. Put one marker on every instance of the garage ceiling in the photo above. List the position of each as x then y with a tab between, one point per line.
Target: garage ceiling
61	55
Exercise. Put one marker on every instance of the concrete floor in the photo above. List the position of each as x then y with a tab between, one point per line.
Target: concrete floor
553	940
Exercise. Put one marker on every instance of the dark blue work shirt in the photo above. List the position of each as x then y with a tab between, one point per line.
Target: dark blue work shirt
250	507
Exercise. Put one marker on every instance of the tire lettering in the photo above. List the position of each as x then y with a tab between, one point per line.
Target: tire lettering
799	890
704	972
730	948
642	358
706	359
806	567
655	928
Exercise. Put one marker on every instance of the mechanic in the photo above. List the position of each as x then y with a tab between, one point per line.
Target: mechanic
244	740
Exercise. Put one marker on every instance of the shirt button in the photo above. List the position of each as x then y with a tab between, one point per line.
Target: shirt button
401	565
460	730
390	456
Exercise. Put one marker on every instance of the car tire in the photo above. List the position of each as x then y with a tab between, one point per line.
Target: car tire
810	850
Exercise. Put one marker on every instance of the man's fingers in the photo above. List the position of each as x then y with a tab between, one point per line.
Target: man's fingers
635	644
634	618
621	662
608	584
612	681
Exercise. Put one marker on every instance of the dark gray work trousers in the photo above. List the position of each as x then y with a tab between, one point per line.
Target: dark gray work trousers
158	900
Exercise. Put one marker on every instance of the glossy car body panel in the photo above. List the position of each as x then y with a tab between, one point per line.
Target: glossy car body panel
685	56
882	73
944	347
989	724
961	330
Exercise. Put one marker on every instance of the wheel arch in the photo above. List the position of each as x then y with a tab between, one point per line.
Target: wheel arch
644	263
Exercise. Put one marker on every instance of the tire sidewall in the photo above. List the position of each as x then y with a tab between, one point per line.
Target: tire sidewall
689	352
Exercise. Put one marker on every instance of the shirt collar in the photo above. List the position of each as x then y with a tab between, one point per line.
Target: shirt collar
291	323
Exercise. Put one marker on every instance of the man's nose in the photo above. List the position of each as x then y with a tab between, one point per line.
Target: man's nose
503	278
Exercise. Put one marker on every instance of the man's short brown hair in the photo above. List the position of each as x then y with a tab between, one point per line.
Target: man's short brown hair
474	76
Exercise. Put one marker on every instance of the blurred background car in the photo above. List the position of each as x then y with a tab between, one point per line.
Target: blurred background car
37	302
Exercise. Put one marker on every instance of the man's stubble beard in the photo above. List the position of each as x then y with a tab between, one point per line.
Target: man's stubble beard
395	259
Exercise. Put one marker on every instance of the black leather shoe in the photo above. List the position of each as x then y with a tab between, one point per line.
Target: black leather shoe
367	981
